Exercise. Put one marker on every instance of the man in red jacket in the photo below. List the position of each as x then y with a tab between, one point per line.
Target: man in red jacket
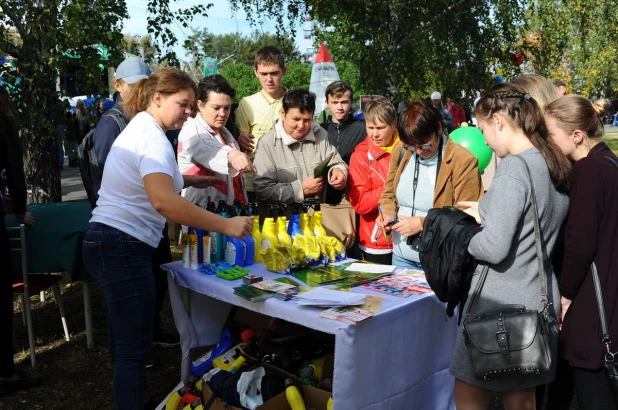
457	112
367	176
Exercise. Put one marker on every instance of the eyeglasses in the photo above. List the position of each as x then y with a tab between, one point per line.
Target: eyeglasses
423	147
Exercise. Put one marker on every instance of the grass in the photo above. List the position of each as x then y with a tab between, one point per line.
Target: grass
78	378
612	143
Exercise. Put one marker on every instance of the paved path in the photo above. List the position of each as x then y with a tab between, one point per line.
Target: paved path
72	185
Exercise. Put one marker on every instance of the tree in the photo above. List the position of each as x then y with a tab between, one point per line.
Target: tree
160	17
575	42
403	48
238	48
47	28
141	46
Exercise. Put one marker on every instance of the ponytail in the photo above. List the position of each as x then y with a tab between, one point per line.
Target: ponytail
525	114
169	80
574	112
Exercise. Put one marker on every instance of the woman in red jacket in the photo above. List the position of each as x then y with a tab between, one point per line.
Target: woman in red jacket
367	176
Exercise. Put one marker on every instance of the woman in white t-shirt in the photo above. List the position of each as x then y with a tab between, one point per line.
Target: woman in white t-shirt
140	187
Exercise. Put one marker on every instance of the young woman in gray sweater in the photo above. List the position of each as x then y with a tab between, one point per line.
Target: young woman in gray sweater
512	123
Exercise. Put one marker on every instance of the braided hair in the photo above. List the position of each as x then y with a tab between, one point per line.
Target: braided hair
525	113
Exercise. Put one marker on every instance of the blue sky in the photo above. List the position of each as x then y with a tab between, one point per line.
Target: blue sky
219	21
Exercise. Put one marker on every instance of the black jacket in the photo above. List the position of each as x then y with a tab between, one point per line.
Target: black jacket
345	137
443	252
12	160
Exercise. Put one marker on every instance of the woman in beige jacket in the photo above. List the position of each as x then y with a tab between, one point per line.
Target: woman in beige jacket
427	170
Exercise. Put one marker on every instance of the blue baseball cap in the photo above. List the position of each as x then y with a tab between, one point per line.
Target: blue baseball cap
132	70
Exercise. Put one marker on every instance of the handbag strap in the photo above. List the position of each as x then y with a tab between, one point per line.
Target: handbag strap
539	249
599	296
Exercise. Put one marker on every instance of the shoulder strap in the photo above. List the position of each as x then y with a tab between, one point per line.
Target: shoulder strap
599	297
539	249
613	160
118	117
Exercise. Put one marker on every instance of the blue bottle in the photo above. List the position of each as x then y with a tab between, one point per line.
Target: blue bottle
249	249
221	239
235	249
204	363
294	223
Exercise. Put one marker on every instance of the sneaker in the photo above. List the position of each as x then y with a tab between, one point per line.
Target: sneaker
18	381
164	339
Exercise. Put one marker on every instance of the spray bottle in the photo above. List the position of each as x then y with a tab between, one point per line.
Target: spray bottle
304	220
315	223
249	240
281	227
214	249
294	224
221	242
235	249
269	239
256	234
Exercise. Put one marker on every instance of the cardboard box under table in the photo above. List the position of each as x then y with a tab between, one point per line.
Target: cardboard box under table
397	359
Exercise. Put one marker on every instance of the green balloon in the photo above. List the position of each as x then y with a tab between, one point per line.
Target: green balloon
471	138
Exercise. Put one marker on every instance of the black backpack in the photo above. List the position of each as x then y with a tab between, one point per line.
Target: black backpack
89	167
443	253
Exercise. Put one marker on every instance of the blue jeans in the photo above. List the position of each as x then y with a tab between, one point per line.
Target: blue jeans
122	266
405	263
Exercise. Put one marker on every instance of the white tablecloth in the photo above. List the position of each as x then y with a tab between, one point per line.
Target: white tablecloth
396	360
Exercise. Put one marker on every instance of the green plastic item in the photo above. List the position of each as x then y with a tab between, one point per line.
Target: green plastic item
234	273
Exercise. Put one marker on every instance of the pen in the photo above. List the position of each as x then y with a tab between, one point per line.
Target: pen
382	218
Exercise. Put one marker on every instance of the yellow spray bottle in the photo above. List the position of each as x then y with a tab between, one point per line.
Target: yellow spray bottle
315	223
256	235
304	221
269	238
281	227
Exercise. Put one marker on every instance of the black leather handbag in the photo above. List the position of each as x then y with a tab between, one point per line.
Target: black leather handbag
511	340
610	364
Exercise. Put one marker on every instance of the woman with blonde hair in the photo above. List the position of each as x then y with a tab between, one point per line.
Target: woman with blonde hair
591	236
139	191
540	88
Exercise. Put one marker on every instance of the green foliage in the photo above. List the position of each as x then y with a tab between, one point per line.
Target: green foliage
47	28
141	46
241	77
160	19
298	75
404	49
240	49
576	42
